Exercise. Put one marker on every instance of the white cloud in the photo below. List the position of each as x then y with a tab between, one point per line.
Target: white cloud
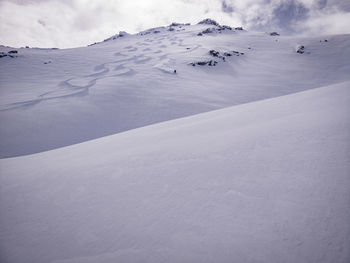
326	23
71	23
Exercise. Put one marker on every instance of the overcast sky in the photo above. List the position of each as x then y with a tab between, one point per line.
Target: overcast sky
73	23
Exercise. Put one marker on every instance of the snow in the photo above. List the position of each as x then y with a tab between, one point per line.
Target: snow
266	181
245	161
86	93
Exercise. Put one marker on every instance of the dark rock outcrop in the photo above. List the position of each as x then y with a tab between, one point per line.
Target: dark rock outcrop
203	63
10	54
300	49
218	29
216	54
208	21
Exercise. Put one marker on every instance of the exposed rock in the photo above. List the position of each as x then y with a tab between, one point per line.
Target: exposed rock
144	33
154	30
208	30
214	30
300	49
208	21
175	24
214	53
203	63
121	34
233	53
95	43
239	28
274	34
9	54
179	24
224	27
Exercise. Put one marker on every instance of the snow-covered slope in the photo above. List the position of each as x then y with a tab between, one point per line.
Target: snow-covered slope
266	181
51	98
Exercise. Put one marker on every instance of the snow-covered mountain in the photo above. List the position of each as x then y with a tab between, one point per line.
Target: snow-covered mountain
255	168
54	98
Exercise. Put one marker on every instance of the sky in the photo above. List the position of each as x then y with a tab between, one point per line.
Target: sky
74	23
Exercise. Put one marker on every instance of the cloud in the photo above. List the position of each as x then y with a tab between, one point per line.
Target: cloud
227	8
72	23
325	22
291	16
80	22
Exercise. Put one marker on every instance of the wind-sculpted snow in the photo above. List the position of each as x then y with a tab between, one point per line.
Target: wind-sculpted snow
265	182
80	85
51	98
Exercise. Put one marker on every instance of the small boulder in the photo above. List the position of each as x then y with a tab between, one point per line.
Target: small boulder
300	49
122	34
202	63
214	53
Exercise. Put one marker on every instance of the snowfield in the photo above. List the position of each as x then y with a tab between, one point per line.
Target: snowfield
85	93
266	181
245	161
